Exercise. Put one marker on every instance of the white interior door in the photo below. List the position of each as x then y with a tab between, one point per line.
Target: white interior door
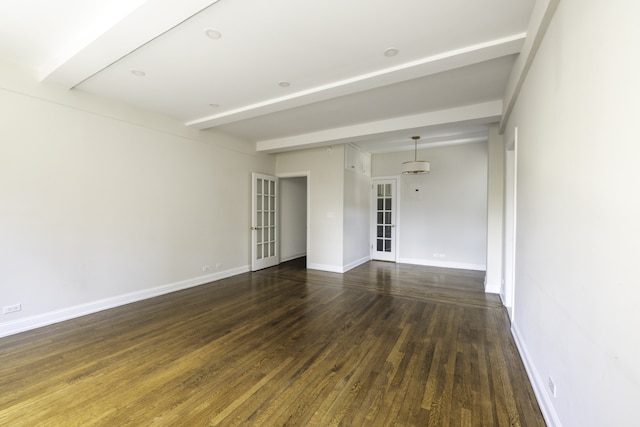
384	219
264	222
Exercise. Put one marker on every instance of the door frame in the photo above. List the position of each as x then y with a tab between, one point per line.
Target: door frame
507	293
396	222
302	174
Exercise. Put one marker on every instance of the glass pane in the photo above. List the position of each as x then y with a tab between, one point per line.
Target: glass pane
387	204
387	245
379	231
265	234
387	189
380	218
380	204
259	202
259	218
380	190
272	218
387	232
259	251
259	186
259	236
379	244
272	249
273	187
272	234
387	217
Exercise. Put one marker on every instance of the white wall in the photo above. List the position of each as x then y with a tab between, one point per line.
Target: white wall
102	204
444	222
578	216
325	168
357	214
293	218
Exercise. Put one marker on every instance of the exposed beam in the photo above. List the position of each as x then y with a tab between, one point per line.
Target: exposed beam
116	36
487	112
403	72
540	19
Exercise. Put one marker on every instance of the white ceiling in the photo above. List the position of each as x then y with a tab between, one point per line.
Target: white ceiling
445	84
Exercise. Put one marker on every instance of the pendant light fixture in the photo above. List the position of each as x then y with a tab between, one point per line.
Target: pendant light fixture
416	166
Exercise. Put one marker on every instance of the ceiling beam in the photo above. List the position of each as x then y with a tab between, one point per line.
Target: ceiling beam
116	36
487	112
543	12
411	70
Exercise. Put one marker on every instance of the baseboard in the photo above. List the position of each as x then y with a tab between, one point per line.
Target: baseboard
40	320
289	258
492	288
356	263
538	384
325	267
503	300
444	264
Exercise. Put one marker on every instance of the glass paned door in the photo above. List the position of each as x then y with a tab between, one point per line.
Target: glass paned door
264	228
384	219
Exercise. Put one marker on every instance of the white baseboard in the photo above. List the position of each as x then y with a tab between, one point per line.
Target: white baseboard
289	258
444	264
325	267
538	384
356	263
40	320
492	288
338	268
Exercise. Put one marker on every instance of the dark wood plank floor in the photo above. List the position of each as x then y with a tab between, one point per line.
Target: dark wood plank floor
384	344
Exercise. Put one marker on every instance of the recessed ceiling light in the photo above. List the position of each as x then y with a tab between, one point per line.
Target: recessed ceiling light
284	84
138	73
213	34
392	51
214	105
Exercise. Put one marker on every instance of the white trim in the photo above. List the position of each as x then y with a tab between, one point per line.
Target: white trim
539	388
325	267
492	288
45	319
289	258
356	263
509	309
444	264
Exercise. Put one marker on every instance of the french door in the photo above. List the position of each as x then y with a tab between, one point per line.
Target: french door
264	222
384	219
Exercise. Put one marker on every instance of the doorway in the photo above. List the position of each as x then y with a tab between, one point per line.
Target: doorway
293	211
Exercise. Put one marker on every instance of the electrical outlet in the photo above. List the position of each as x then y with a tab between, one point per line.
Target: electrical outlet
552	387
206	268
11	308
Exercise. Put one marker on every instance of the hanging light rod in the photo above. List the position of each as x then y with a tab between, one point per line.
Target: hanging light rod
415	166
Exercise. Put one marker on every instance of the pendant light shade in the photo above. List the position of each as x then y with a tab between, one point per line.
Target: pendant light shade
415	166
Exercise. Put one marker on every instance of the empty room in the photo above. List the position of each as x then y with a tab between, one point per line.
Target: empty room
257	213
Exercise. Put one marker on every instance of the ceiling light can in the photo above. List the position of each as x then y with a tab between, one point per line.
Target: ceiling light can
213	34
392	51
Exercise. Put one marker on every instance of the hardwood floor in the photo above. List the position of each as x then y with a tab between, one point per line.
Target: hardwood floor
384	344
